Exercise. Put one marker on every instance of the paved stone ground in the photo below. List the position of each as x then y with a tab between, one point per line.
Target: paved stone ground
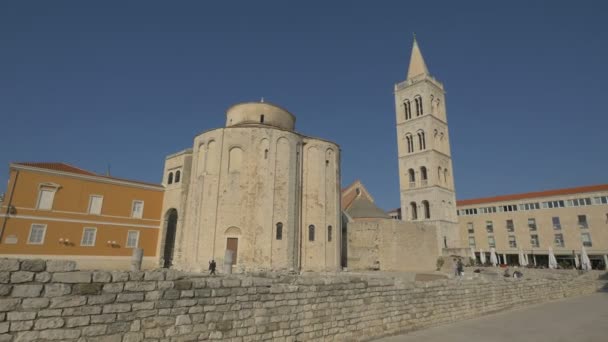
575	319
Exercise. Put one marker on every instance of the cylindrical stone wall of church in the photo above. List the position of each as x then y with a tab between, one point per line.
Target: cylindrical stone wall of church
243	197
320	206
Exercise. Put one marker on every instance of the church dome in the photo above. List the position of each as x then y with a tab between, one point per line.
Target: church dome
259	113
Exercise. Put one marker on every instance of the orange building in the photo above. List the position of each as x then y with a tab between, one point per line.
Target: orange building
55	210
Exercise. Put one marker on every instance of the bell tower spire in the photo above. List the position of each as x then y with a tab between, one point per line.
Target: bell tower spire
417	64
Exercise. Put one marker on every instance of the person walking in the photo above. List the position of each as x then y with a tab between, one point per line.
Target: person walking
460	267
212	266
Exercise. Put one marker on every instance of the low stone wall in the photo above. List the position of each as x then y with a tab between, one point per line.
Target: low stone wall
52	301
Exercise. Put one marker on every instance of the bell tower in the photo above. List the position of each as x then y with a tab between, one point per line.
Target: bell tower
426	179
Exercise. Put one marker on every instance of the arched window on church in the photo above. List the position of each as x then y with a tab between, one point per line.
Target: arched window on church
408	109
427	209
445	176
311	232
279	231
423	176
329	232
412	177
178	174
421	140
414	211
170	179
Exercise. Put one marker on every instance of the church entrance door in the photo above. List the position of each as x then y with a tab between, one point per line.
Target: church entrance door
233	245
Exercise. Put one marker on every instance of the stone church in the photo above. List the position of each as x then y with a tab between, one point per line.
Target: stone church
256	188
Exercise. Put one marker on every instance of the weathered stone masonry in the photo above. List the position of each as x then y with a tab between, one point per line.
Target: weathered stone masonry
51	301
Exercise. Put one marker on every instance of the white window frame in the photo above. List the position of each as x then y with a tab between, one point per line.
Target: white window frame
29	237
94	236
133	209
46	187
136	241
91	202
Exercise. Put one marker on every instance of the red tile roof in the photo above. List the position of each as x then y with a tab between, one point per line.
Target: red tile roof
548	193
63	167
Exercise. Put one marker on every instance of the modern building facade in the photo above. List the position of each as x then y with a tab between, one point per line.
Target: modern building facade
258	189
55	210
426	179
563	219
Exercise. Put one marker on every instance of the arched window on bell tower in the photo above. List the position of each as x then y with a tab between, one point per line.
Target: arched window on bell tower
409	140
421	140
423	176
418	103
407	106
414	211
427	209
412	178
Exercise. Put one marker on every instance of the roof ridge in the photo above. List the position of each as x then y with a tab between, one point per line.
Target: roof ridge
533	194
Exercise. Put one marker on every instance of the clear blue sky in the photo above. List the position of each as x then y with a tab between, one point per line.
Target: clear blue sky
126	83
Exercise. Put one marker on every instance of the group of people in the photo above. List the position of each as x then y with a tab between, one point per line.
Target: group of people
459	270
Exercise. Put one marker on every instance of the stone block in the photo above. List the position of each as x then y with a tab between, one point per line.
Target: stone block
171	294
173	275
49	313
82	310
78	321
104	318
9	265
5	277
94	330
130	297
135	325
72	277
21	277
35	303
60	265
114	308
49	323
120	276
86	289
26	290
165	284
5	289
4	327
33	265
133	337
136	286
57	290
21	325
154	275
119	327
102	277
183	285
59	334
101	299
231	282
27	336
142	306
106	338
42	277
183	320
113	287
157	321
67	301
136	275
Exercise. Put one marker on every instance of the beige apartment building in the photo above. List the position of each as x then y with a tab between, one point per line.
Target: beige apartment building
563	219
